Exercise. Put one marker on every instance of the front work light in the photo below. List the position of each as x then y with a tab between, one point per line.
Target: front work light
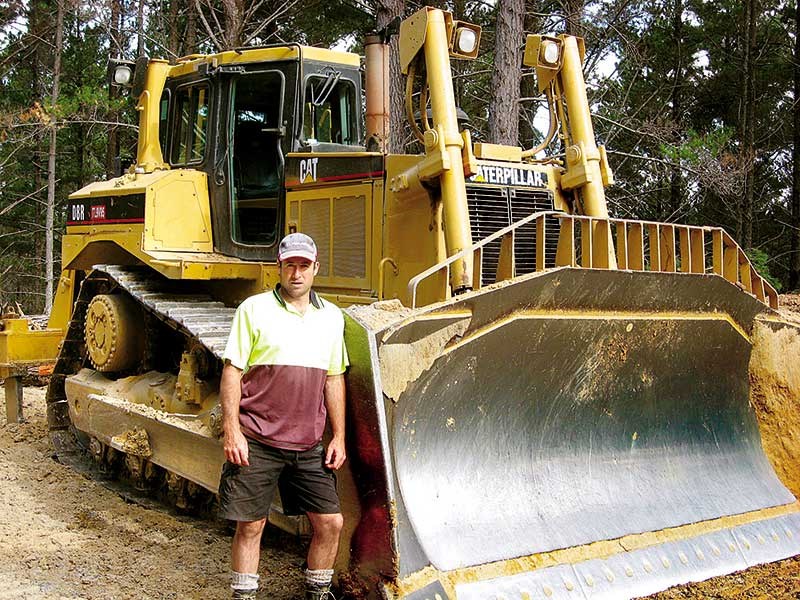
464	40
123	75
121	72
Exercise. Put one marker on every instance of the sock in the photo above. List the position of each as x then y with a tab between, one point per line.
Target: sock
244	581
318	577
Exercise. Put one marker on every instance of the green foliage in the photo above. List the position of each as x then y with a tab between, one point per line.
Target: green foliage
696	148
760	261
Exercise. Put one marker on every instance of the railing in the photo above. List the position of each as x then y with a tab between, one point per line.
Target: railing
617	244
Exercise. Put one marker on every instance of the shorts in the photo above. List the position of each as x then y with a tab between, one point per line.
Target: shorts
305	484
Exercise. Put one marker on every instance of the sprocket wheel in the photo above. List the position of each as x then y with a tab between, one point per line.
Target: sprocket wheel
114	333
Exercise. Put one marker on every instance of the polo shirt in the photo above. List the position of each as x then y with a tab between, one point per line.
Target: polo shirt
286	358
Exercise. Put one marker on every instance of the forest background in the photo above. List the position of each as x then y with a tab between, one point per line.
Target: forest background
696	101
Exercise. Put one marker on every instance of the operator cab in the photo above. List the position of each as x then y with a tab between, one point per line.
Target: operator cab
238	121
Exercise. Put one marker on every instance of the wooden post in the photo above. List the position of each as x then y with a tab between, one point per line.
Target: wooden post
13	391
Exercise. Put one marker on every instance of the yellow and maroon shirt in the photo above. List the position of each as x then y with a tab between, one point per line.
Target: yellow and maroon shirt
286	358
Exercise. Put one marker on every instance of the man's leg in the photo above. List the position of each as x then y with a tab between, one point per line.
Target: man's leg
245	552
322	553
325	539
246	547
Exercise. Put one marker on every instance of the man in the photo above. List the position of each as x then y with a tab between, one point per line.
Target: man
283	375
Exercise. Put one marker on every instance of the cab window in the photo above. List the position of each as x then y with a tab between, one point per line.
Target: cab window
192	111
257	157
329	114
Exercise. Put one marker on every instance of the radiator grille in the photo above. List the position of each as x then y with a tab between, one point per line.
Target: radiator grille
492	208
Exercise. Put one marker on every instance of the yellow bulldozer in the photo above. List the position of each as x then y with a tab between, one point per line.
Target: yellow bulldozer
543	402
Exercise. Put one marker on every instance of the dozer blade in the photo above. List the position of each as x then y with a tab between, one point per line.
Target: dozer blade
558	436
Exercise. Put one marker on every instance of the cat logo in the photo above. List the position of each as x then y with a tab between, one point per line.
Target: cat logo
509	176
308	170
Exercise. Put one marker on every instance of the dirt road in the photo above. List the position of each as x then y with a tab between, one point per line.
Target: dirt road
65	536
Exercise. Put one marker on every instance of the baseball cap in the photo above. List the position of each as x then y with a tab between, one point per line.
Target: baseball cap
297	245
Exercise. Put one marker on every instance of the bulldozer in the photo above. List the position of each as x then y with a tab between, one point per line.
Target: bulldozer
543	401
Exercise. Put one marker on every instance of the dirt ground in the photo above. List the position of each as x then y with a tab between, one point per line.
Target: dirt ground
65	536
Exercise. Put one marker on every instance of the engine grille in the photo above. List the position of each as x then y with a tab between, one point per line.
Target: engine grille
492	208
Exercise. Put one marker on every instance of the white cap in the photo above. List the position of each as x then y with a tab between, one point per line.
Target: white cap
297	245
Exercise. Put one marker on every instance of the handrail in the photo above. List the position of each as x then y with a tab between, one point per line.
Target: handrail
671	248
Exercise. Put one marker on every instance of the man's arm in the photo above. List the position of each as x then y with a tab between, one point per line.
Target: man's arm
334	402
230	394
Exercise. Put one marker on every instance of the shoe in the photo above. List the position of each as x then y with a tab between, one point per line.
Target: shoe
244	594
319	592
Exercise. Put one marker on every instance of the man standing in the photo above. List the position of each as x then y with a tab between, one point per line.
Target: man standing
283	375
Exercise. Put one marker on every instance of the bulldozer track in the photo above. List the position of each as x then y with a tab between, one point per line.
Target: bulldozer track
181	306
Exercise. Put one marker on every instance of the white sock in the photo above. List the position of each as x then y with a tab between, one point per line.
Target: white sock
244	581
319	577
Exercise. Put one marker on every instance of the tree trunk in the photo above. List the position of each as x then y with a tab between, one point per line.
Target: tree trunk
51	164
794	269
172	30
234	23
140	29
190	41
386	11
676	97
745	220
504	105
112	148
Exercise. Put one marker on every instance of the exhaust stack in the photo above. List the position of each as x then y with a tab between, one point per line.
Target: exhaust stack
377	84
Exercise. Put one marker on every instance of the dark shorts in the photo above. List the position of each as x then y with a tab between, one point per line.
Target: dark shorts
305	484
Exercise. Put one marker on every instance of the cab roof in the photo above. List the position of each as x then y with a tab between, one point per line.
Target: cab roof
194	62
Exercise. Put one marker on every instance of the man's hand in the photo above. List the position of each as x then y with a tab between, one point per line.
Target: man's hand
236	449
335	455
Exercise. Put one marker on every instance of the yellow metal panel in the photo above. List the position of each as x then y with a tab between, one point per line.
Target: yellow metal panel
744	271
131	183
667	238
758	285
731	264
602	252
339	219
413	31
89	245
412	235
686	250
477	268
62	302
19	345
506	269
565	253
177	213
586	244
622	246
717	247
698	249
655	247
636	247
498	152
